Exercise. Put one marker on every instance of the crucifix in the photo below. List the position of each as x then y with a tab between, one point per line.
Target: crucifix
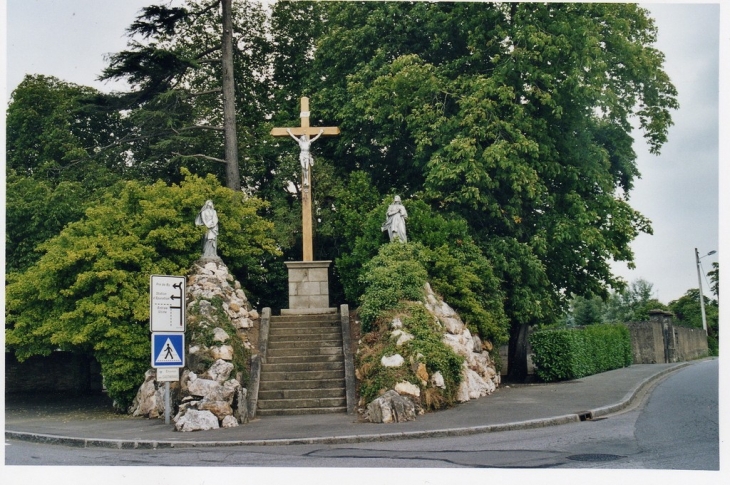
305	157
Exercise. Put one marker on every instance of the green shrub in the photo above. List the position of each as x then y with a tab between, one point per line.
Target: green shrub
89	290
393	275
426	347
456	267
561	354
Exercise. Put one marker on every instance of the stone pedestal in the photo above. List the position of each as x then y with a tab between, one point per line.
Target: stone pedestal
308	288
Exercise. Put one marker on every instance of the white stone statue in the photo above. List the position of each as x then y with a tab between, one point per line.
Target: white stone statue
209	218
305	155
395	221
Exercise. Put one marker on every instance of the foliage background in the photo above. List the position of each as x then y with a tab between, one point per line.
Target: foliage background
89	291
506	128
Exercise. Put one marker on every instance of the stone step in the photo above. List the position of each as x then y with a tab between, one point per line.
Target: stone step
323	317
302	366
301	375
288	351
275	344
300	411
298	359
338	392
302	384
305	332
325	402
305	324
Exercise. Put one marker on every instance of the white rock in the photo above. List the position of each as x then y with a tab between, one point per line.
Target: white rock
437	379
446	310
396	323
229	422
253	315
478	347
219	371
473	386
194	420
224	352
402	337
391	407
392	360
147	402
220	335
452	325
455	342
229	390
203	387
408	389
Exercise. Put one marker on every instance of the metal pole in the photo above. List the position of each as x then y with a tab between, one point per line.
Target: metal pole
167	402
702	298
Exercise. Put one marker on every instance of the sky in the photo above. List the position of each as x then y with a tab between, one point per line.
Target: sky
678	191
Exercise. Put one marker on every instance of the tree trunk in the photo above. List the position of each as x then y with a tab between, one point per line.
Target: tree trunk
233	178
517	356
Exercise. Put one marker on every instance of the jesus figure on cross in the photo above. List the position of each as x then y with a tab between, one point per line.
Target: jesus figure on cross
301	134
305	155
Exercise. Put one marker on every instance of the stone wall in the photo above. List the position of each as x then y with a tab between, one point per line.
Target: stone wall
690	343
657	341
647	342
58	372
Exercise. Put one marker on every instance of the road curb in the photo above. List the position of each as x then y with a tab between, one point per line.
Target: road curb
632	395
345	439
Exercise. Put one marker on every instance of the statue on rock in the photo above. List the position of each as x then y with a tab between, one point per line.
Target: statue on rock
395	221
208	217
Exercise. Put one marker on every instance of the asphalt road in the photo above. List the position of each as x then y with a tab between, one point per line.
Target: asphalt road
675	427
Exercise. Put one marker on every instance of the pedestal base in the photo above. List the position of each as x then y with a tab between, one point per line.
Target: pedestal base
308	288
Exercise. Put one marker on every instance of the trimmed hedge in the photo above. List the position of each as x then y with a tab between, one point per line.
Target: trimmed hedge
562	354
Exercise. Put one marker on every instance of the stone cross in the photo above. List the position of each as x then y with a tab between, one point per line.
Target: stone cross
306	131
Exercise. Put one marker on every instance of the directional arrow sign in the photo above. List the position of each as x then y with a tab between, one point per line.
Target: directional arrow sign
168	349
167	303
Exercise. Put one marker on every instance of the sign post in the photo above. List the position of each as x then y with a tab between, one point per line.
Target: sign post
167	303
167	324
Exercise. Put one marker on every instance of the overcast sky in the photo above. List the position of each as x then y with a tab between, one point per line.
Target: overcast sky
678	191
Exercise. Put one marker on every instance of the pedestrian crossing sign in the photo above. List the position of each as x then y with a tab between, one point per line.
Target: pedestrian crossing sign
168	349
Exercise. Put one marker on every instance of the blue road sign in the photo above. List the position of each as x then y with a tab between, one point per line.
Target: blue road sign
168	349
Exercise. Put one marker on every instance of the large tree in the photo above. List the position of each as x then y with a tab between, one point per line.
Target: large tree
183	63
516	116
55	133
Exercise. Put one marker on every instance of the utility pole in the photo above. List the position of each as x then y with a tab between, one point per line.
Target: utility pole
699	279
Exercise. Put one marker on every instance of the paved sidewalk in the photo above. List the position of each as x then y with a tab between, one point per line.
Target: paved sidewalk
89	422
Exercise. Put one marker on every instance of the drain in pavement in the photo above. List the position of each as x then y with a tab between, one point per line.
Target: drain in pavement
595	457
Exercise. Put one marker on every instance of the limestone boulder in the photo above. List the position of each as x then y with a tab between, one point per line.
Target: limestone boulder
204	387
229	422
195	420
220	335
149	400
224	352
402	337
220	371
395	360
473	386
408	389
437	380
391	407
220	409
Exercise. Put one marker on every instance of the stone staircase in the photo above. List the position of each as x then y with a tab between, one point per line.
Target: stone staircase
304	371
